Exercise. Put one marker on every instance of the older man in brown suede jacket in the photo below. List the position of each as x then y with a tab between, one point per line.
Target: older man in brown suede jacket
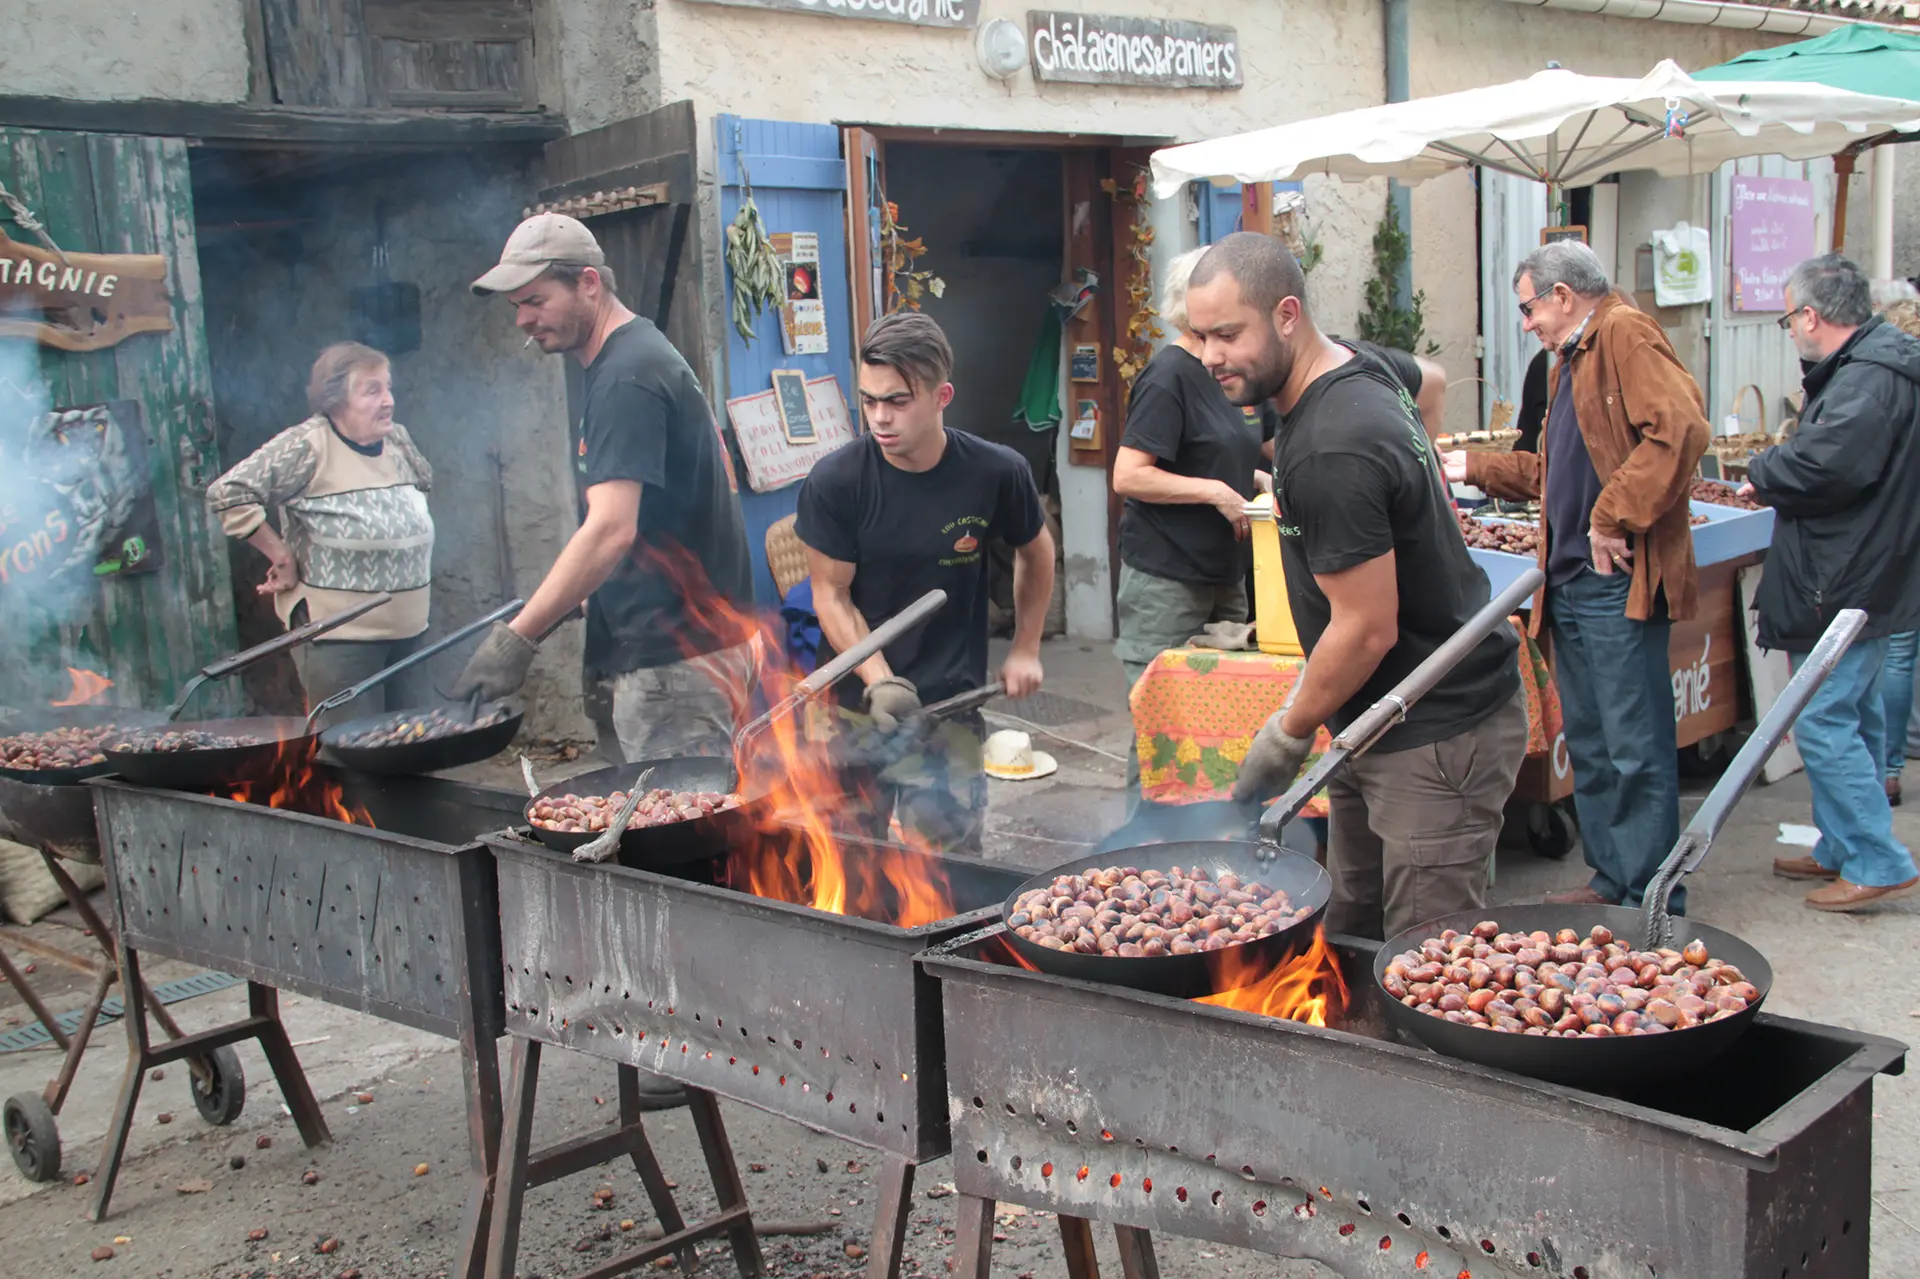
1617	455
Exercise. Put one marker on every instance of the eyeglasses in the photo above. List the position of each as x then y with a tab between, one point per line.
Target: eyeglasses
1786	321
1526	308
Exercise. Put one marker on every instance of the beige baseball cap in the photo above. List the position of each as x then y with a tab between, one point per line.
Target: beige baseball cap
535	245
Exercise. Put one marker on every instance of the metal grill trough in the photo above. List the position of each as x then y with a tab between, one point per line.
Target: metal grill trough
1377	1158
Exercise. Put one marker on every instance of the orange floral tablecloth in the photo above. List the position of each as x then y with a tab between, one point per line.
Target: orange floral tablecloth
1195	712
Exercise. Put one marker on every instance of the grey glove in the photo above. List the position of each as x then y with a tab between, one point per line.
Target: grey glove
498	667
1272	762
891	700
1228	637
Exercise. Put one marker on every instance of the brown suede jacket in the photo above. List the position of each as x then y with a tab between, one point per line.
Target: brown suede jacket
1645	427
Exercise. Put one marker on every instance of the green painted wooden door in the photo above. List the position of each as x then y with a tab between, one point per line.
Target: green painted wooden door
147	631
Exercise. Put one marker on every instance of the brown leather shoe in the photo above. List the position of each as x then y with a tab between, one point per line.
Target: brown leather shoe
1582	896
1893	792
1802	868
1842	896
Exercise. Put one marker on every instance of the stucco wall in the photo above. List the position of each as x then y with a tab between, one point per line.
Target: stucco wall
470	392
597	60
1464	44
192	50
1299	59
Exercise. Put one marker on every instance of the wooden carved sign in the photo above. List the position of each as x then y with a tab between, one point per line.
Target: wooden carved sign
1156	53
89	302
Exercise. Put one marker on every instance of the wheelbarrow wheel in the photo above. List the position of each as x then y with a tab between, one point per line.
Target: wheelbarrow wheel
33	1136
219	1086
1549	831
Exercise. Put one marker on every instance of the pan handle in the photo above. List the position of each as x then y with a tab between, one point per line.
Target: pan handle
1712	814
279	643
840	667
346	695
1373	723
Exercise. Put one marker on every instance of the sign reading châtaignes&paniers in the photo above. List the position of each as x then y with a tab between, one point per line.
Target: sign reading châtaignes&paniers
1158	53
918	13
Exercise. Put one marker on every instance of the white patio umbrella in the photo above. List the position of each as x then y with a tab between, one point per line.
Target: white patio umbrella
1556	126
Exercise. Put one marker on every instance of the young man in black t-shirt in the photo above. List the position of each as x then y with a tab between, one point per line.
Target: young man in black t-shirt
1378	577
660	557
905	509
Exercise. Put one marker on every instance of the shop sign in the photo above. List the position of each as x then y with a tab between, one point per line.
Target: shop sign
764	426
917	13
1772	231
85	302
1093	48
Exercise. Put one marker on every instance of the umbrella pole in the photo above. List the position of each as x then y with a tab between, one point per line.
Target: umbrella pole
1842	171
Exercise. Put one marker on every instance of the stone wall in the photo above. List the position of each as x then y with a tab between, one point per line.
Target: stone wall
470	395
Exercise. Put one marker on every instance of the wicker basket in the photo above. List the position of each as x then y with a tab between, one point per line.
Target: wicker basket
786	555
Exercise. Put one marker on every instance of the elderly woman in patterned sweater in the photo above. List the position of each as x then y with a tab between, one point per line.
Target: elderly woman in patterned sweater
350	490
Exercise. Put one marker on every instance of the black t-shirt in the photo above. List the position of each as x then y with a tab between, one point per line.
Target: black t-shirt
907	533
1178	413
1354	478
647	420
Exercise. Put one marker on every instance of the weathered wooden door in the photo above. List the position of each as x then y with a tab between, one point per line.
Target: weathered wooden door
148	631
633	183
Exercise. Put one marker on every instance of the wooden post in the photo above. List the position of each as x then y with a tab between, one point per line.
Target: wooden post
1256	207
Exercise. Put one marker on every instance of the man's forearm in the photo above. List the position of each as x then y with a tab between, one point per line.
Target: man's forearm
587	561
1345	659
268	542
1164	488
844	625
1032	596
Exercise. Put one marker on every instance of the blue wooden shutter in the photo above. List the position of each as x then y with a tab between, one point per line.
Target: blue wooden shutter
1220	208
799	182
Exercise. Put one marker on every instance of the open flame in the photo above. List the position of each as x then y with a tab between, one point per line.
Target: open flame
802	856
85	688
294	784
1307	988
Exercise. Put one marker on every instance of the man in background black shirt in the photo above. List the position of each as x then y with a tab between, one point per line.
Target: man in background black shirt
661	549
1378	577
905	509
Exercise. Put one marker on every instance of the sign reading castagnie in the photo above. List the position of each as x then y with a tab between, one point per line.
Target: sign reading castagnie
917	13
87	302
1157	53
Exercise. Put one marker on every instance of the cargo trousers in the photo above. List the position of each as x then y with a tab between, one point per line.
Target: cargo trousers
1413	831
683	708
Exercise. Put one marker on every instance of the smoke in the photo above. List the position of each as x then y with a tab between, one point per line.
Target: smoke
37	592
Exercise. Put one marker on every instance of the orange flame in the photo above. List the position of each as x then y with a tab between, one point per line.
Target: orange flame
1308	988
85	687
802	856
293	784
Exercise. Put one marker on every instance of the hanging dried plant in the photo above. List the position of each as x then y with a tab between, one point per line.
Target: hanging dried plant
906	285
1143	325
758	280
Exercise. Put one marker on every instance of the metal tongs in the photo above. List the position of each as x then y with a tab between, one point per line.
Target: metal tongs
1372	724
1697	838
346	695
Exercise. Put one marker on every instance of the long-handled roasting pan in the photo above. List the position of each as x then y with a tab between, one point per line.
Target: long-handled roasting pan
1629	1059
467	745
702	838
1263	860
233	763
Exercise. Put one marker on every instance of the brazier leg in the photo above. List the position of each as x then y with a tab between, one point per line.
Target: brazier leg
1076	1239
510	1172
890	1219
973	1238
644	1163
727	1186
1137	1260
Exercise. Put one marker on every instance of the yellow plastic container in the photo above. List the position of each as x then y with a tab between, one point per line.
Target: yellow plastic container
1272	615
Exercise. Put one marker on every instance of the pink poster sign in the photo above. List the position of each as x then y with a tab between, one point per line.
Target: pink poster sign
1772	234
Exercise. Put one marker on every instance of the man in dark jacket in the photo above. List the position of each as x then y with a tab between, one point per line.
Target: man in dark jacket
1846	533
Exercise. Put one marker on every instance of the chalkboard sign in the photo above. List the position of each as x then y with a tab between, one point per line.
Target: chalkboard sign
1551	234
796	417
1772	234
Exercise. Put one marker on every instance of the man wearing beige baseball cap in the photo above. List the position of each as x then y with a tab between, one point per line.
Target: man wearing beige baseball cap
661	541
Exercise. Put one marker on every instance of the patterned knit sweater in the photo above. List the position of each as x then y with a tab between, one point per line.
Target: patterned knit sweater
355	524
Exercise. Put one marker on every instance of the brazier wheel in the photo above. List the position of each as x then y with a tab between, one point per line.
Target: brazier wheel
219	1086
33	1136
1549	831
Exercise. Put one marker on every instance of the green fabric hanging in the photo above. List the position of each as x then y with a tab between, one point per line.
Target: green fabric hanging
1040	393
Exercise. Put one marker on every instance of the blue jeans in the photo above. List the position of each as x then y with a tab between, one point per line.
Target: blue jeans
1896	695
1841	736
1616	697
